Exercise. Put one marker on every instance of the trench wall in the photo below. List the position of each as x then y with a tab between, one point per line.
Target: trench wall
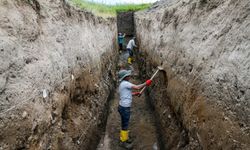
56	74
125	23
202	98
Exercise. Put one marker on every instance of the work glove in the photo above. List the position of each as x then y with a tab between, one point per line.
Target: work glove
136	93
148	82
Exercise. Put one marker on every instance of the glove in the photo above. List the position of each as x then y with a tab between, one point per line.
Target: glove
136	93
148	82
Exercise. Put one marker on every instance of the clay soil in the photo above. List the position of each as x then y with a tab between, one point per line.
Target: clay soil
142	125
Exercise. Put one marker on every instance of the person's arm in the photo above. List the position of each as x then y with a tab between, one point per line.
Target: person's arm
140	86
134	43
124	35
136	94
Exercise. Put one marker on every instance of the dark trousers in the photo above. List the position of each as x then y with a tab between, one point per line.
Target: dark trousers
120	46
130	51
125	115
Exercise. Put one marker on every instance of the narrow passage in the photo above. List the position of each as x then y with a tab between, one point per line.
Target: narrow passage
142	124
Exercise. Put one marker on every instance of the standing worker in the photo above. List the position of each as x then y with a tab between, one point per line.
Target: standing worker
130	46
120	41
125	91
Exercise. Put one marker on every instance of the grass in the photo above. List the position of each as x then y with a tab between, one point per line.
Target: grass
108	10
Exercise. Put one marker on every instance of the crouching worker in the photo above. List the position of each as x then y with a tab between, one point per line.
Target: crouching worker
125	91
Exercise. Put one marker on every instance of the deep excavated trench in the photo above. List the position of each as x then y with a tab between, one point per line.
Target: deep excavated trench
58	76
148	129
142	124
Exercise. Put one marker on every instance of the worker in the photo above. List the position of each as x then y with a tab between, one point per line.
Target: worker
130	46
121	40
125	91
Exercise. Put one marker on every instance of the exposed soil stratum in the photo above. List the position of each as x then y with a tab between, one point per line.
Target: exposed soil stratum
204	47
58	68
56	74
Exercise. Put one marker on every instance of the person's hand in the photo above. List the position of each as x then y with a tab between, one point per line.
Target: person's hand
148	82
136	94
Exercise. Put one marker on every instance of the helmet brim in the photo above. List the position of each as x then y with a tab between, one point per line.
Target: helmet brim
126	75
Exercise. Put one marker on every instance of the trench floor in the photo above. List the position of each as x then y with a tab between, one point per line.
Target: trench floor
142	125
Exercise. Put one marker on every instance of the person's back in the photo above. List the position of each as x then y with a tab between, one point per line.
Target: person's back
120	39
131	44
125	89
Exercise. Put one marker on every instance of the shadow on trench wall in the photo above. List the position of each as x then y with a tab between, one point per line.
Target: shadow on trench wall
171	132
125	24
91	106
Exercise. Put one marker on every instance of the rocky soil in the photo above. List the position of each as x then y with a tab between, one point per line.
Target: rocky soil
56	75
203	98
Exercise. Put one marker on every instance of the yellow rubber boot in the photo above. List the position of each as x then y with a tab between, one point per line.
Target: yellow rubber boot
129	60
123	135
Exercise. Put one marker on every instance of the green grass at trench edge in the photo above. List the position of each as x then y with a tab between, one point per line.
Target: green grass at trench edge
108	10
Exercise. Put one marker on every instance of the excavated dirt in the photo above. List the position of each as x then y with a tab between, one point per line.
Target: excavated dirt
203	46
56	75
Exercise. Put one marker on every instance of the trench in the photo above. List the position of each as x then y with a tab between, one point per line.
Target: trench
58	76
143	129
154	123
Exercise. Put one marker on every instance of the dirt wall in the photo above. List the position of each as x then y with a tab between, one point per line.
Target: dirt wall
125	23
56	74
202	98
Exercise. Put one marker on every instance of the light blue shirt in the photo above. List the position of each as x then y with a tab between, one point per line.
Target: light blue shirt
125	91
120	39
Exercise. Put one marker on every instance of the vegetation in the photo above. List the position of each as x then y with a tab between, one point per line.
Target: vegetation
108	10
